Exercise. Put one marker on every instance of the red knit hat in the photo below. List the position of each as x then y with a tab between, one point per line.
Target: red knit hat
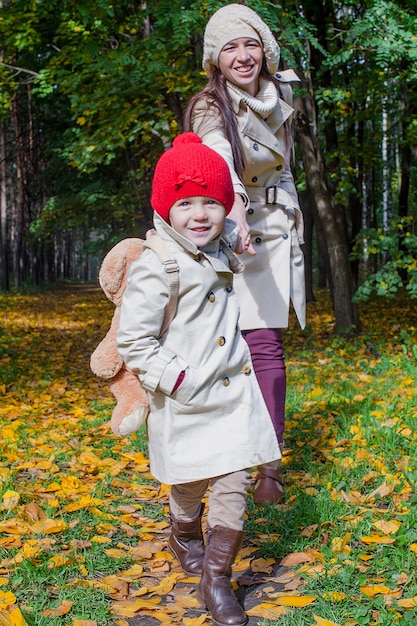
188	169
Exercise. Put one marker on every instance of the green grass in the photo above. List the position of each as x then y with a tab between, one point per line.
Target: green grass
350	463
351	430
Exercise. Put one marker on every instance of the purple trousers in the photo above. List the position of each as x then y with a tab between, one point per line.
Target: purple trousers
265	345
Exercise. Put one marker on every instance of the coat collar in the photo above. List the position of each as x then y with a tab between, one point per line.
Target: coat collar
214	252
255	127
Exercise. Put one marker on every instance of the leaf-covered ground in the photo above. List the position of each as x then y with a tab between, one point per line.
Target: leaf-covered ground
83	526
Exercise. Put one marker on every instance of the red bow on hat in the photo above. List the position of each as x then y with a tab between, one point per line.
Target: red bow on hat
196	177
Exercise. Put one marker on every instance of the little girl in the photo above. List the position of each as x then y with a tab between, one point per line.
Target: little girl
208	423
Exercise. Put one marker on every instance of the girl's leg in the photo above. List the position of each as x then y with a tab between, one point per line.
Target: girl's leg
227	505
227	500
185	499
186	539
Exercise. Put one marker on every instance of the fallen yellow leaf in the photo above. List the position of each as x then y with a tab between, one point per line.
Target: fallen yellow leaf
267	611
320	621
48	526
263	565
12	617
10	500
388	528
295	601
195	621
373	590
62	609
128	608
381	491
334	596
296	558
383	539
6	599
408	603
187	601
165	586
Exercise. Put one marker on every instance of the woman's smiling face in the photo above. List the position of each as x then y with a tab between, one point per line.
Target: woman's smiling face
240	61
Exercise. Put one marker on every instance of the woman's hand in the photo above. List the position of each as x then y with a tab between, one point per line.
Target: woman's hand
238	215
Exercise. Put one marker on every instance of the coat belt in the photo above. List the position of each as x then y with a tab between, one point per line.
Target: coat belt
275	196
267	195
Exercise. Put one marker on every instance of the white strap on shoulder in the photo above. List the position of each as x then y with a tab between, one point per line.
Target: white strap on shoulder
155	243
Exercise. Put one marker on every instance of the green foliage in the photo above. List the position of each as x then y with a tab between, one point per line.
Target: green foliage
397	249
104	84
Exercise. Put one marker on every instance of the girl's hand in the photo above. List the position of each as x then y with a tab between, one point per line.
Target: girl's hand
238	215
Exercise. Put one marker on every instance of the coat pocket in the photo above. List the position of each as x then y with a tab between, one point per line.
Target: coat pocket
188	388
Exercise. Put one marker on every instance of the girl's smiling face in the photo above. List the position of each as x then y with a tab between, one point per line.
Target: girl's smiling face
198	219
240	61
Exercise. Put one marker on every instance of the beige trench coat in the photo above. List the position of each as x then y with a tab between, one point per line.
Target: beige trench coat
217	421
275	275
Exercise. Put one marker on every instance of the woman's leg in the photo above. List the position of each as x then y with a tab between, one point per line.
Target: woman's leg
265	345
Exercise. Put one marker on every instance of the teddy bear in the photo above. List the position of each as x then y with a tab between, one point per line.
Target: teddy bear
132	405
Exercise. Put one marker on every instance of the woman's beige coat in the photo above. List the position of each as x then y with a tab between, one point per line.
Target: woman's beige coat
217	421
276	274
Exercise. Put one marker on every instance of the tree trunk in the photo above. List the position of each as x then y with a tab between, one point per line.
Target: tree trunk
18	205
407	115
342	289
4	256
305	204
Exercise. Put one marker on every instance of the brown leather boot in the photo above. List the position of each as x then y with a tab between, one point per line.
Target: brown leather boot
269	486
187	544
215	588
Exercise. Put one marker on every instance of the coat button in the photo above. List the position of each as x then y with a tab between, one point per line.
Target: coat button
250	211
254	179
285	236
225	381
221	341
279	167
247	370
255	146
211	297
258	240
228	287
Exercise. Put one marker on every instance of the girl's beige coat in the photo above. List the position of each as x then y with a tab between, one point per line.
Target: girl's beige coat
217	421
276	274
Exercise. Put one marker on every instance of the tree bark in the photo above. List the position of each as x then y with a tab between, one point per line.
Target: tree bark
4	256
17	205
342	289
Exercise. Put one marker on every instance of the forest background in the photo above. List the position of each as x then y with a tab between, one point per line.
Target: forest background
92	92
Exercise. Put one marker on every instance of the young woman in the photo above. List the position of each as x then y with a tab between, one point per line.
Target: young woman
244	113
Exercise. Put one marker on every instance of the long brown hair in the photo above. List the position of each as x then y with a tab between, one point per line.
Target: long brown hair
217	95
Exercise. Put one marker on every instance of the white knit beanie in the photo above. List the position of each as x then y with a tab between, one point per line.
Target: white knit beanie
231	22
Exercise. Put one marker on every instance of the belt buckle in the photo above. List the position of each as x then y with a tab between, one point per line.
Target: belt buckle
271	194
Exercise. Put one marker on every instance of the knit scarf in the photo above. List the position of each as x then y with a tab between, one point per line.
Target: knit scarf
265	101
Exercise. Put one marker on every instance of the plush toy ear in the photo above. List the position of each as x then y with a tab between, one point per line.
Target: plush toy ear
111	274
115	265
105	361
